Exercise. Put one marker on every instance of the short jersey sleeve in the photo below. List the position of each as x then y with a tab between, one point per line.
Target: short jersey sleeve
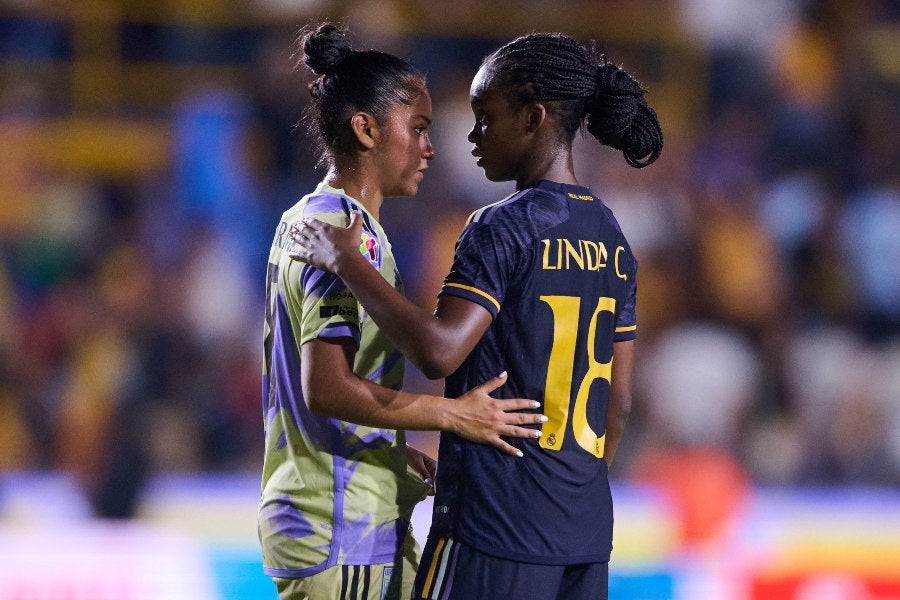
626	318
320	301
329	309
483	265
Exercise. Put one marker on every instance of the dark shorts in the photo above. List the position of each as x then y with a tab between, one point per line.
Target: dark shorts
451	570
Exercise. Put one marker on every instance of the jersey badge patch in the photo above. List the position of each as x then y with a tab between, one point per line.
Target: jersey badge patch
370	248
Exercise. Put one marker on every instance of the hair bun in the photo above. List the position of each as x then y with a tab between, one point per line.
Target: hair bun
619	117
613	79
324	49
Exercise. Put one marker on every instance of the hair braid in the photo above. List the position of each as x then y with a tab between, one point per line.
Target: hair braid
619	117
552	67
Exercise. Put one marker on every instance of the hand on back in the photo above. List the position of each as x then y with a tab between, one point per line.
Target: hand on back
482	418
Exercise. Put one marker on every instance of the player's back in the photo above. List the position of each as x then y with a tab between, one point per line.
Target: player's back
561	276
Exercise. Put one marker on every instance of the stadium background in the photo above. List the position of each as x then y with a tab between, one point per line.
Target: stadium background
147	149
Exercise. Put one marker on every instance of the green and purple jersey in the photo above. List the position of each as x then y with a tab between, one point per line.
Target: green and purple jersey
332	492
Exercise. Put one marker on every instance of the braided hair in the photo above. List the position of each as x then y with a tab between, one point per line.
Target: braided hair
580	89
350	80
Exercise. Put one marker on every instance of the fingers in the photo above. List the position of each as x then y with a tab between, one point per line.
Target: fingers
507	419
299	233
515	419
492	384
431	468
430	471
306	235
513	404
515	432
506	448
298	256
356	221
310	232
422	471
516	424
521	432
422	464
305	228
299	252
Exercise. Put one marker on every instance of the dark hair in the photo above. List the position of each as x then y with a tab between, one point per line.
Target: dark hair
579	87
350	80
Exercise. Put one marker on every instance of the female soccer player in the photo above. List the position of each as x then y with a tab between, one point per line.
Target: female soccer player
336	495
542	285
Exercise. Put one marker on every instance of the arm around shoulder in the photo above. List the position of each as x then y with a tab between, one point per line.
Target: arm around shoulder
436	343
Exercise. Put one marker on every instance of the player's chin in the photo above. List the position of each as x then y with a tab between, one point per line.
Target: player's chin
409	189
494	175
491	172
410	185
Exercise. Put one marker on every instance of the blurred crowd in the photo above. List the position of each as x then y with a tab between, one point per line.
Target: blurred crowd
768	238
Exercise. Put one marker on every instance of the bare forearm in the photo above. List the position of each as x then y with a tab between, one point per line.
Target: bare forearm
331	388
360	401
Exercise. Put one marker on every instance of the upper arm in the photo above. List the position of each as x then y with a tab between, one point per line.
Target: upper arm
464	323
484	264
326	366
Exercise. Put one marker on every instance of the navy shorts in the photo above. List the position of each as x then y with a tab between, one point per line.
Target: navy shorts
451	570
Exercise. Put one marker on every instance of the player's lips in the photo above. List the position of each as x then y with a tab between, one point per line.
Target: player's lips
477	155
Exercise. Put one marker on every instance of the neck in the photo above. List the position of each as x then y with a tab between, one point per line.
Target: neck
553	165
357	184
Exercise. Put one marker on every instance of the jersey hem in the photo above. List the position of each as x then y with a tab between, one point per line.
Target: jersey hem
295	573
282	573
537	560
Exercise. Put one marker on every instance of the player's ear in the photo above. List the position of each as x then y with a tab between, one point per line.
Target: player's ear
534	115
365	128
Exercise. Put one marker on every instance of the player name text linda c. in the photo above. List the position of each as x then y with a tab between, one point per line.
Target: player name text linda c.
585	255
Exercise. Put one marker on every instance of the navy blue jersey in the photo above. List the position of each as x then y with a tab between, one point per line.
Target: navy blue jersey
551	265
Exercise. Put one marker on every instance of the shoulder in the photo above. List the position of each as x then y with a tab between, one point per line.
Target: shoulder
526	213
610	218
326	206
